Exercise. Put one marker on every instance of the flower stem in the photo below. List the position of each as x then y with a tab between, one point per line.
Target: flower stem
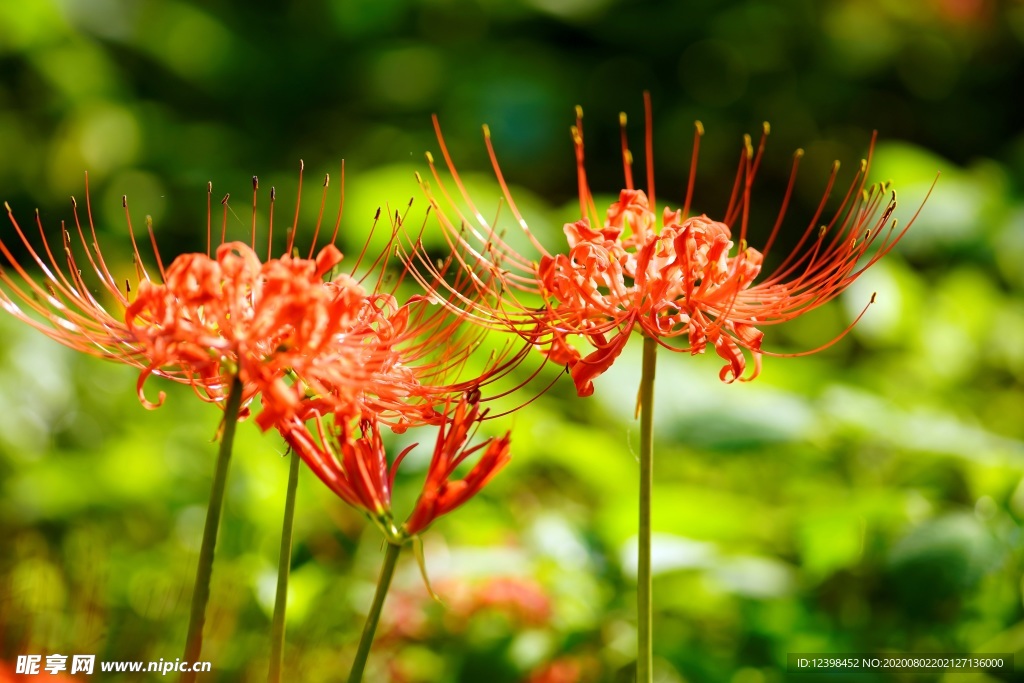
283	568
645	619
201	592
383	583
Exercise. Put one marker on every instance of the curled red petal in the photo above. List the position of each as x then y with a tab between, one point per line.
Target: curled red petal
586	370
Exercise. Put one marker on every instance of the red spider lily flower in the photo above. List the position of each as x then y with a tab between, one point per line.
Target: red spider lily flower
309	347
688	277
235	315
392	367
196	326
356	468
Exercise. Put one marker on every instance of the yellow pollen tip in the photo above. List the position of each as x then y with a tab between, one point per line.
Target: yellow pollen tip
863	165
576	137
750	147
419	178
821	231
124	201
766	127
743	245
487	131
579	112
8	207
699	126
867	234
835	165
302	165
622	119
894	196
799	153
327	179
209	186
864	195
629	157
430	158
873	295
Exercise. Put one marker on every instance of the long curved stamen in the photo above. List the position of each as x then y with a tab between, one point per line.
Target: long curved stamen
649	145
298	203
627	156
698	133
255	189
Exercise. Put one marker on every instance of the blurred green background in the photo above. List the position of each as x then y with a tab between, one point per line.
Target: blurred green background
869	498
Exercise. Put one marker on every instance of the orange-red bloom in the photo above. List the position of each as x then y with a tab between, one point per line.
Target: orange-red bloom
203	321
665	273
305	345
265	322
356	467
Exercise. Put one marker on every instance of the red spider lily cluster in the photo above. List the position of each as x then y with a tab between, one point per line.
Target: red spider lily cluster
688	277
333	359
321	351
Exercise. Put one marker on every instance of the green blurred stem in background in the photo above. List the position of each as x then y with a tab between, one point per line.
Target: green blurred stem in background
383	583
644	616
201	592
283	568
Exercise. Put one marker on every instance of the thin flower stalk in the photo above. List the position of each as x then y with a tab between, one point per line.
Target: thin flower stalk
204	567
277	628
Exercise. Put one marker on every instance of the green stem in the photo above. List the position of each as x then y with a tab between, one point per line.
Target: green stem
383	583
201	592
283	568
645	611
